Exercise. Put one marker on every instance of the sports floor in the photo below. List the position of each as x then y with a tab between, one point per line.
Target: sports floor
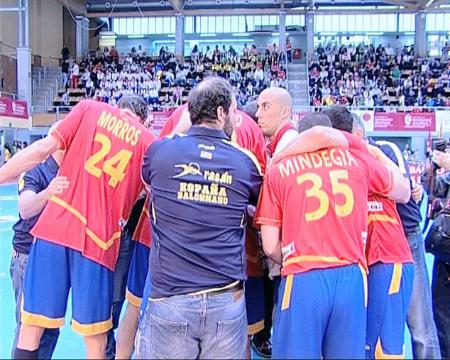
70	345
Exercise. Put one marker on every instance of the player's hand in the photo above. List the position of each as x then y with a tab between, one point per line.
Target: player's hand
251	210
374	151
441	158
57	186
417	192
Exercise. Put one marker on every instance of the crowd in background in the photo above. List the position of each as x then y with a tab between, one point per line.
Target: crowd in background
164	81
377	76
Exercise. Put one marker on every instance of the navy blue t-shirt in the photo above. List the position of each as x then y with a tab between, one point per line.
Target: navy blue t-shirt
36	180
201	184
410	212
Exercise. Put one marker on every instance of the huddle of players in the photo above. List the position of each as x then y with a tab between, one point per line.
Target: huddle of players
324	243
382	298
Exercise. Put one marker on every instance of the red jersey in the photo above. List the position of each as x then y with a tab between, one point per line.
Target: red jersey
386	241
104	147
173	120
319	200
273	144
249	136
142	233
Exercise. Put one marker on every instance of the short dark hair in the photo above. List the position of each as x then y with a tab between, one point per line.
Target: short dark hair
136	104
205	99
341	118
250	109
358	124
312	120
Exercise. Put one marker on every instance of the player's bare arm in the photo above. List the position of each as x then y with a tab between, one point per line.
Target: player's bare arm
28	158
31	203
318	137
271	242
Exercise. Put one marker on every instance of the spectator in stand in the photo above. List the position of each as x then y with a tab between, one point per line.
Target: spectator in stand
195	53
288	49
65	72
65	53
114	54
74	75
177	96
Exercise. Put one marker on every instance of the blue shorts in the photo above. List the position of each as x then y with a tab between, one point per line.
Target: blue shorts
390	289
54	269
254	302
137	274
321	314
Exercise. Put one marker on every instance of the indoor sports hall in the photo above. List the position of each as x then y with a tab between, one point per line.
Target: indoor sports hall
383	63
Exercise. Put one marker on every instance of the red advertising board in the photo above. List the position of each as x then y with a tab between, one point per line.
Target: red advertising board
13	108
159	120
415	170
392	121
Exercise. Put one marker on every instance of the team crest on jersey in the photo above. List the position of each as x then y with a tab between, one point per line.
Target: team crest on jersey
374	206
188	169
288	250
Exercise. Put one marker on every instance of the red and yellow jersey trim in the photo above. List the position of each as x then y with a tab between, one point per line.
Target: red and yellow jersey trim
92	329
28	318
133	299
382	218
102	243
316	258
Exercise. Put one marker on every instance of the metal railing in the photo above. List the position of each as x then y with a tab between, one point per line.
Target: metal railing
65	109
399	109
8	95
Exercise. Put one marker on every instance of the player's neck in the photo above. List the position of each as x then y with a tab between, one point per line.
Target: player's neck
282	125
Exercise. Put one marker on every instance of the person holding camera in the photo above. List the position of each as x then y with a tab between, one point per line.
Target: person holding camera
438	243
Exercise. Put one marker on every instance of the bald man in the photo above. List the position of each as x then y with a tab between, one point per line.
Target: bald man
274	118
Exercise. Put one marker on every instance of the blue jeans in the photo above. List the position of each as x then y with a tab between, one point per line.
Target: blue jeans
420	321
207	326
50	336
120	284
441	308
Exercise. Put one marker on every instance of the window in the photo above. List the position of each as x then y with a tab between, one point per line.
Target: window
439	24
241	27
189	24
359	23
234	23
318	26
137	26
219	24
227	24
173	24
258	20
250	23
158	25
351	22
367	23
328	23
151	25
203	25
144	26
406	22
211	24
343	23
274	19
129	30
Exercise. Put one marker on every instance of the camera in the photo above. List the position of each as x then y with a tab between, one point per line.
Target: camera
439	145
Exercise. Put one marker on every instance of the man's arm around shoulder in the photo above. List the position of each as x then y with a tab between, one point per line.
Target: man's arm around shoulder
28	158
